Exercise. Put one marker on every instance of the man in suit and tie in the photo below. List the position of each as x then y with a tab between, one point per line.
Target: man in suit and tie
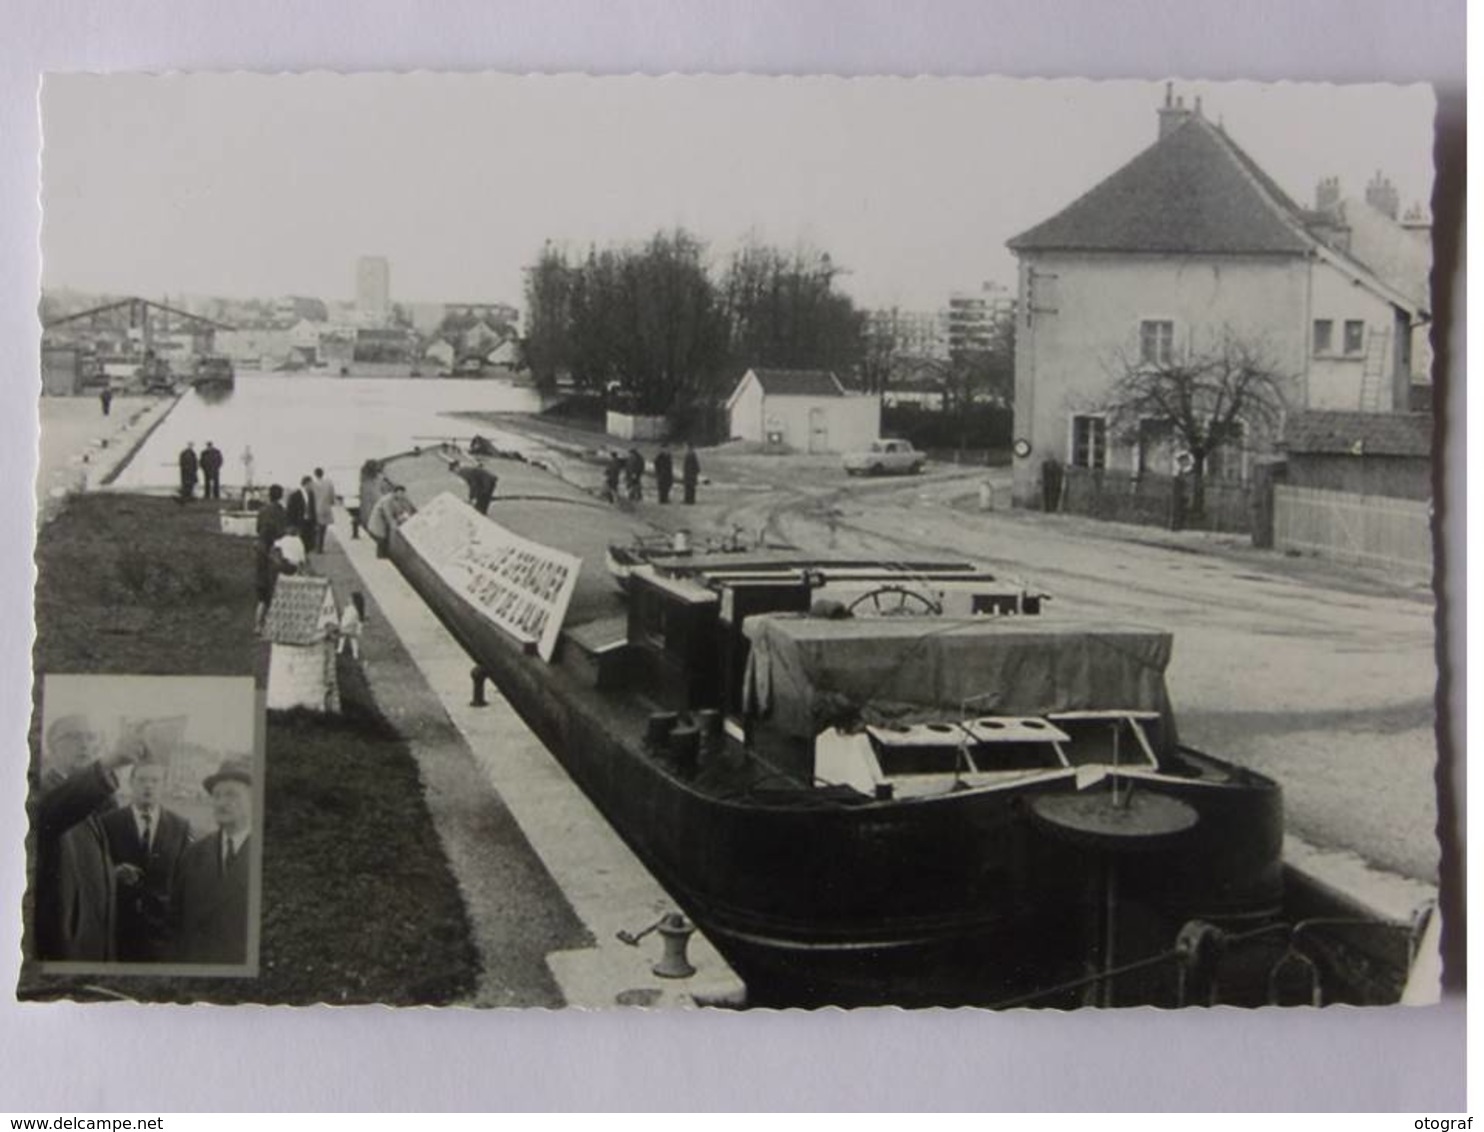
146	843
212	893
301	513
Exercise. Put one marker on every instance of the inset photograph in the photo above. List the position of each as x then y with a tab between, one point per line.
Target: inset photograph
146	825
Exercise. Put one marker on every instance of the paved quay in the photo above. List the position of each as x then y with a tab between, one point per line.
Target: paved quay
80	448
605	885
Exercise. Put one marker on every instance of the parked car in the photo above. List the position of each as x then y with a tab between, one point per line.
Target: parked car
886	457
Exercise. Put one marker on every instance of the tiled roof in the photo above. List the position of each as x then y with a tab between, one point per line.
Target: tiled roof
1381	244
798	382
1194	190
1369	434
302	609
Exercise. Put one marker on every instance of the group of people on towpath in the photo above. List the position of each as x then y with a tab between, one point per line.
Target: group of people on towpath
288	531
630	469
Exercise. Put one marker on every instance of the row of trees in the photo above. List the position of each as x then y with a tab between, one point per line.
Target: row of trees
656	322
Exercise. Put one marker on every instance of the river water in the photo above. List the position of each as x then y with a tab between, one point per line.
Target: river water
296	424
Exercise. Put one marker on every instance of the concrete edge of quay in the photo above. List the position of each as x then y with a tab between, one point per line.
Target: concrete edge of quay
604	883
88	473
117	466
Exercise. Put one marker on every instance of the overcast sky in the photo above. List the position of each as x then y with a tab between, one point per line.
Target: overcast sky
248	185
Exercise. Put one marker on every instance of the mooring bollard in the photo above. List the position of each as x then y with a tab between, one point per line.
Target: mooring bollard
676	931
479	676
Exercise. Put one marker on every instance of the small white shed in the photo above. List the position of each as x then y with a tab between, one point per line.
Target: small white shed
806	410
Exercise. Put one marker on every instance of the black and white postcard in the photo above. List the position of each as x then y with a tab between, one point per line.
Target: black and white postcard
738	542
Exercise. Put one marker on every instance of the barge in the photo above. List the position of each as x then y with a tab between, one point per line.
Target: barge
868	783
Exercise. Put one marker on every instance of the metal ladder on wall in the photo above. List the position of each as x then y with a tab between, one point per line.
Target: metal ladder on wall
1374	370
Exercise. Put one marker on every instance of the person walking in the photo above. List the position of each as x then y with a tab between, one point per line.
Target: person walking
690	472
189	464
211	472
106	399
247	468
664	473
323	491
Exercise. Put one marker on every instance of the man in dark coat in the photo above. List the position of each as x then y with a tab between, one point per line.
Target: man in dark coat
481	481
146	842
612	473
188	466
273	523
664	473
301	512
211	906
634	475
73	906
211	472
106	399
690	472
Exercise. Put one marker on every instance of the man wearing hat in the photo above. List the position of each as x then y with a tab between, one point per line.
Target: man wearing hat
210	911
146	842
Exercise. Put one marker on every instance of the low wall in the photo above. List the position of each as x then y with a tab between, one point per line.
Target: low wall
1153	501
632	426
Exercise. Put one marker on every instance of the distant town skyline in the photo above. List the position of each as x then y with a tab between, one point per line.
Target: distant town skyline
252	186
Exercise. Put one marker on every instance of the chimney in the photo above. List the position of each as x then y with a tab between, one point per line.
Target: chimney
1417	223
1173	114
1326	194
1381	195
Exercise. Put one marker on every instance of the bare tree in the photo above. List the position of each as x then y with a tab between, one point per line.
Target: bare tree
879	355
1209	399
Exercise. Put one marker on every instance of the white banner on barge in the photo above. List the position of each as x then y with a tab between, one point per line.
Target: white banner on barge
520	586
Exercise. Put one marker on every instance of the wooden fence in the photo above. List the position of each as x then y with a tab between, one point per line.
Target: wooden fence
1395	534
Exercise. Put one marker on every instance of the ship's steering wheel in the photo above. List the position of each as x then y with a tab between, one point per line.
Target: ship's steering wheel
895	601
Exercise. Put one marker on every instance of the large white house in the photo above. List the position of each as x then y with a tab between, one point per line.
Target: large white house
804	410
1188	241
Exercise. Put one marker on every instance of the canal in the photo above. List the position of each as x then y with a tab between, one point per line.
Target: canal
294	424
